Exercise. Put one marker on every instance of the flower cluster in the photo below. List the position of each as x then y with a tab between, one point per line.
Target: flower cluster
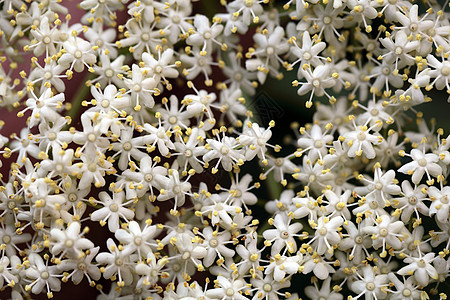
157	151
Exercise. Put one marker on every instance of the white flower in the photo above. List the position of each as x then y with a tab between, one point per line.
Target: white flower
326	235
423	163
361	140
440	202
5	274
281	265
284	234
117	263
44	107
160	68
316	81
313	292
412	201
113	209
69	241
385	232
141	88
215	244
137	239
78	54
226	149
204	35
421	268
256	138
314	142
400	49
82	267
370	284
42	276
227	289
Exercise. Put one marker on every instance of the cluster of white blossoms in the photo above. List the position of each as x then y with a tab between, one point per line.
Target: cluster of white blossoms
157	150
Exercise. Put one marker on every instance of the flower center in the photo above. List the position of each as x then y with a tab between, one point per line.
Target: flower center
137	88
25	142
201	62
119	262
46	40
186	255
6	239
81	266
229	292
237	193
384	232
267	287
177	189
68	243
224	150
48	75
361	136
173	120
378	186
51	136
176	268
176	19
249	3
318	144
114	207
238	76
413	27
339	206
72	197
279	162
92	167
207	35
284	234
188	153
127	146
406	293
374	112
323	231
412	200
78	54
445	71
161	134
158	69
145	37
45	275
307	55
109	73
316	83
370	286
326	20
373	204
412	247
11	205
137	241
59	167
444	199
359	239
421	263
422	162
104	103
270	50
398	50
91	137
148	177
213	243
99	43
